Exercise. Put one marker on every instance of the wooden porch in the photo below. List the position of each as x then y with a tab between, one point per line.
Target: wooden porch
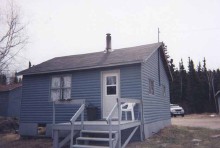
97	125
101	133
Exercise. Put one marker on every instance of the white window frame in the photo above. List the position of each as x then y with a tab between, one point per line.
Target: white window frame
61	88
151	87
111	85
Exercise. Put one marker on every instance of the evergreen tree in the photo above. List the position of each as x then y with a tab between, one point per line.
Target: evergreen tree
183	79
15	80
175	84
194	89
204	66
20	80
3	79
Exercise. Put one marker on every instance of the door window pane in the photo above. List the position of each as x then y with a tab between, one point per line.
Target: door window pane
111	90
111	80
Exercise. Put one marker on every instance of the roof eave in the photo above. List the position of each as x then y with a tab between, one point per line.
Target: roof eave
167	65
165	60
80	68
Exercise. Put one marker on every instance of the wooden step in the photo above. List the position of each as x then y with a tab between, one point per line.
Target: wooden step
93	139
88	146
98	132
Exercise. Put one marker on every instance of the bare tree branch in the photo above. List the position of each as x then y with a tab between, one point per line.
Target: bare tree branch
14	38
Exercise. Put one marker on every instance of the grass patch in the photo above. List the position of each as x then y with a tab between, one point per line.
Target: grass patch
181	137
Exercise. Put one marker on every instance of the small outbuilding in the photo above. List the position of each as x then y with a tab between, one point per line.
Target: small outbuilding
10	100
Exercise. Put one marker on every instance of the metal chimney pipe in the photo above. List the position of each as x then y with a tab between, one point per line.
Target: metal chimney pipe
108	42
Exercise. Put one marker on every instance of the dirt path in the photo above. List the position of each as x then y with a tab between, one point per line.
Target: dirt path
204	120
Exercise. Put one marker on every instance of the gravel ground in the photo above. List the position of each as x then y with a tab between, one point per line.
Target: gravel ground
173	136
211	121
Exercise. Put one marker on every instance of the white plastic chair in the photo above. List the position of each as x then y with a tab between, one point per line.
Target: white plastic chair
128	107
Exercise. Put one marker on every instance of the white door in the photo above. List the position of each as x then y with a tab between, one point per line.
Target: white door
110	92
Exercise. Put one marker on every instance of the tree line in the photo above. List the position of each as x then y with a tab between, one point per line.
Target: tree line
5	80
194	88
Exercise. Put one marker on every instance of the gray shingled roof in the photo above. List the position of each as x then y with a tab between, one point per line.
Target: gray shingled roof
94	60
9	87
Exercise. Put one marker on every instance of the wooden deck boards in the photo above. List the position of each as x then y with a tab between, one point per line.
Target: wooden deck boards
97	125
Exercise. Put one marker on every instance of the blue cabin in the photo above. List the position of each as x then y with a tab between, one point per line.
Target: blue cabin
139	72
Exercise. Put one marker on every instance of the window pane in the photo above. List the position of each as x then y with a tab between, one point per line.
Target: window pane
66	93
111	80
55	94
67	81
151	86
111	90
164	90
55	82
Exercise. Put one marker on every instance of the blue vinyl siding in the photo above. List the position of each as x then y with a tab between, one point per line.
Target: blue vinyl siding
35	105
3	103
14	104
86	84
10	103
131	82
155	107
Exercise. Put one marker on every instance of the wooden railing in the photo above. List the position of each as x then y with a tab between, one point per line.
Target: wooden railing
117	105
79	112
72	101
109	121
74	118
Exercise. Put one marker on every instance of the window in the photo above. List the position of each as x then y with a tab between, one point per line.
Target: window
60	87
151	87
111	85
164	90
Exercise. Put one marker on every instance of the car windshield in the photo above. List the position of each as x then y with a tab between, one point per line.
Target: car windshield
174	105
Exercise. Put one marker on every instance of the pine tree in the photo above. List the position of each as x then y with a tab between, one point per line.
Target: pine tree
15	80
183	84
194	89
20	80
204	66
175	90
3	79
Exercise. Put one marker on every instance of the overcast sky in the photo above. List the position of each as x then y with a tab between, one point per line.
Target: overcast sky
189	28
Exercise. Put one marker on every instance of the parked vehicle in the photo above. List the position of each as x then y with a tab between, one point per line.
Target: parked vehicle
176	110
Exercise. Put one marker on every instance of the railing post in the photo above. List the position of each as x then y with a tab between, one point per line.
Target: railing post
80	112
53	118
119	122
110	134
82	117
72	133
141	119
56	139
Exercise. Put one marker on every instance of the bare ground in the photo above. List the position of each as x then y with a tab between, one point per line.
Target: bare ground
12	140
175	136
181	137
194	130
211	121
9	138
